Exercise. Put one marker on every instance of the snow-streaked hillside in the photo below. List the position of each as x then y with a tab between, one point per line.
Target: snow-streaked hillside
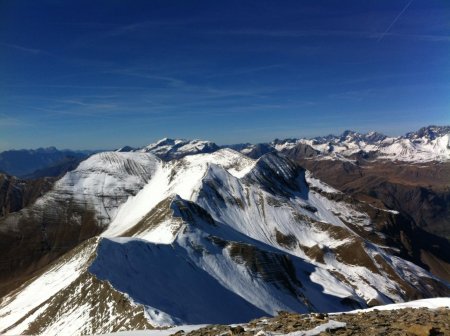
106	180
209	238
98	185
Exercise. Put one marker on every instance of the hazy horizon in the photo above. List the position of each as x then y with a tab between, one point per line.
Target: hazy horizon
217	143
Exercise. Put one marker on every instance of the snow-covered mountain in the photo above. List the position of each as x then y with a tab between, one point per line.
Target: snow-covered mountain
206	238
168	149
430	143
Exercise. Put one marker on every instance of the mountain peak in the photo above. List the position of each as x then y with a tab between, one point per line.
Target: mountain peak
429	132
167	141
347	133
168	149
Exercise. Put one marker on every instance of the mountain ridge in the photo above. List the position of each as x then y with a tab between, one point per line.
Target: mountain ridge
259	233
139	237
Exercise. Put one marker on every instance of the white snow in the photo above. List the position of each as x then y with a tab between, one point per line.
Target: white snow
316	183
434	303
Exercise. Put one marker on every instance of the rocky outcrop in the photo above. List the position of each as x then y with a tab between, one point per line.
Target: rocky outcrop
408	321
16	193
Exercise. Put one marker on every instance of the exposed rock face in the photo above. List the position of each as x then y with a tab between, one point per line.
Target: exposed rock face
16	193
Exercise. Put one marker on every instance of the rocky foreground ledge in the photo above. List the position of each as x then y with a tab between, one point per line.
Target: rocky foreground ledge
408	321
429	317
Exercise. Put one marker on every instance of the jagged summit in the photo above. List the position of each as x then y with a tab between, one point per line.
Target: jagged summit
430	132
168	149
126	149
351	136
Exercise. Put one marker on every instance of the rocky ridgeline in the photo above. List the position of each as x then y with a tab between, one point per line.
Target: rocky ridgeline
408	321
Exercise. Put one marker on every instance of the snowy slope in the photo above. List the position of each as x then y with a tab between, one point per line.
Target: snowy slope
181	177
210	238
105	180
98	186
434	303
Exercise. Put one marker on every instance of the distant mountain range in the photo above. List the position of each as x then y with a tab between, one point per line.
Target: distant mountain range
427	144
430	143
32	163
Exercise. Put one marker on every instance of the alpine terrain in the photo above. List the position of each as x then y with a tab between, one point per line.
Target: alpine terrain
186	232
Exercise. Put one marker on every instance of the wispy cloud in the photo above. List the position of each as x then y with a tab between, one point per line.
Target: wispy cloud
333	33
8	121
353	95
144	25
106	31
249	70
90	105
394	21
176	82
24	49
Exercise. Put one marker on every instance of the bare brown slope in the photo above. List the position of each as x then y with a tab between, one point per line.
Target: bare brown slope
419	192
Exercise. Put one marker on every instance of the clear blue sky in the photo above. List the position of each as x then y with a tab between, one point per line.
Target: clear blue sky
101	74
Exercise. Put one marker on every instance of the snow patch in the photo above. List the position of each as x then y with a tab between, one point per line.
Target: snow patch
434	303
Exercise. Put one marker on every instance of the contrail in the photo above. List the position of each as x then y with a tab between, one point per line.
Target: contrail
395	20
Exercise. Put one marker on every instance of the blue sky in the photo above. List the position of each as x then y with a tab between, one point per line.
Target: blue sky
102	74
